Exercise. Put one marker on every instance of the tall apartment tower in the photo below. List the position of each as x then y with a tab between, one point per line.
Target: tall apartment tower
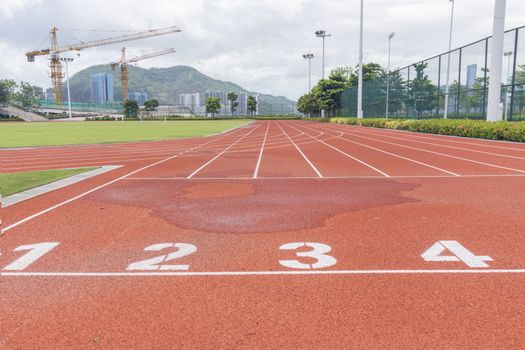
101	88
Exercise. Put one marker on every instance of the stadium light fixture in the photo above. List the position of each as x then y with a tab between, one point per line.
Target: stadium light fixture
447	87
309	57
323	34
67	60
390	36
360	77
496	61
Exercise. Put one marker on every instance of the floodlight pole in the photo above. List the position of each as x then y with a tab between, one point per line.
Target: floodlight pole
360	80
323	34
66	60
309	57
447	87
388	73
509	55
496	61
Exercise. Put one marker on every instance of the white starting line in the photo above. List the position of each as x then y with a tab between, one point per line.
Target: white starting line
261	273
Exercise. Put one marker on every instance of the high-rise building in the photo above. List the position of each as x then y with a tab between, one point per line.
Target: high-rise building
139	97
101	88
196	102
49	94
472	71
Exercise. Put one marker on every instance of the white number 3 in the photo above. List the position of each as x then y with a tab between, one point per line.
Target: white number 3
319	252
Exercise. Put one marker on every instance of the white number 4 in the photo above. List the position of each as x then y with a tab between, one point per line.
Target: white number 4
460	253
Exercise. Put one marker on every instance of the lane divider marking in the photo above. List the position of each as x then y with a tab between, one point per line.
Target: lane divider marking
260	273
301	152
61	204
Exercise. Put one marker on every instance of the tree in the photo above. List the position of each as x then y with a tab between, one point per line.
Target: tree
27	94
308	104
7	90
422	90
232	97
151	105
371	71
213	105
252	105
131	109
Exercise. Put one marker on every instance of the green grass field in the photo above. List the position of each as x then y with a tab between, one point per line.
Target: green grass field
55	134
17	182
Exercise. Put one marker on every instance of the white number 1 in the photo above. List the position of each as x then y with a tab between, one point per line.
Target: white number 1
36	251
318	253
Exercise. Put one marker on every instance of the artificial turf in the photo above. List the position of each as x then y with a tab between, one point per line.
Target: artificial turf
12	183
74	133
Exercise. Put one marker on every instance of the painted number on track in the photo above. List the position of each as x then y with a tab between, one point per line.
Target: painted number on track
155	264
460	253
319	253
36	251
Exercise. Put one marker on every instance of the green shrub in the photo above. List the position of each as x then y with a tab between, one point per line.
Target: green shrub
507	131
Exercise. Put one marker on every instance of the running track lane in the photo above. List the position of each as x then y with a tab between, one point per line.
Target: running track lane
371	224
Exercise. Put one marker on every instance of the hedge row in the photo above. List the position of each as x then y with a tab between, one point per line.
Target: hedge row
513	131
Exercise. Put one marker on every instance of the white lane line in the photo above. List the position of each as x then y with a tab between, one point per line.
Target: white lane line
262	273
326	177
40	213
446	146
256	172
301	152
348	155
450	138
357	134
220	154
395	155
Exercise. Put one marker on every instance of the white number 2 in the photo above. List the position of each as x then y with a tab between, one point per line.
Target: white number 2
318	253
460	254
36	251
154	264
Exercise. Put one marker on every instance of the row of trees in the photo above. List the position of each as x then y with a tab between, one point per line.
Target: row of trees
213	104
417	96
131	107
22	93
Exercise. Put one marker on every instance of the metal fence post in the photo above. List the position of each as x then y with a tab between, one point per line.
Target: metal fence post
438	87
484	104
408	92
513	89
458	99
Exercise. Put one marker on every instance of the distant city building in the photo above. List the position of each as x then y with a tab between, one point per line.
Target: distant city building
101	88
49	95
472	71
139	97
196	102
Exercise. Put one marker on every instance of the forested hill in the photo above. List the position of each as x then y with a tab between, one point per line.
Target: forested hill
164	84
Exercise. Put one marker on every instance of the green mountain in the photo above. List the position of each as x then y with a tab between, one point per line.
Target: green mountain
165	85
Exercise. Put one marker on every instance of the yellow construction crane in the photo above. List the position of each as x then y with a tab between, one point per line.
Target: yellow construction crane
54	52
124	76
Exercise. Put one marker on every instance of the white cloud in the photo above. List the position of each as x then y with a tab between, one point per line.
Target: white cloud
257	45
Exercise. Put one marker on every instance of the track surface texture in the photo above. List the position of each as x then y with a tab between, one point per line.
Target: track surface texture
279	234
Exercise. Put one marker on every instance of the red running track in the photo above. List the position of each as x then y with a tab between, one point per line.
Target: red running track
412	241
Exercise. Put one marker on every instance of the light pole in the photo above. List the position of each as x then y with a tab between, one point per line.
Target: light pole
509	55
360	80
496	60
447	88
66	60
323	34
309	57
388	73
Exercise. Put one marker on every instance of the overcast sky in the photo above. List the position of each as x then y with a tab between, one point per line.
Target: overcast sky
256	44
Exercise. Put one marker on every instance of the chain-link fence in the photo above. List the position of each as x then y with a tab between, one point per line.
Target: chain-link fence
419	90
